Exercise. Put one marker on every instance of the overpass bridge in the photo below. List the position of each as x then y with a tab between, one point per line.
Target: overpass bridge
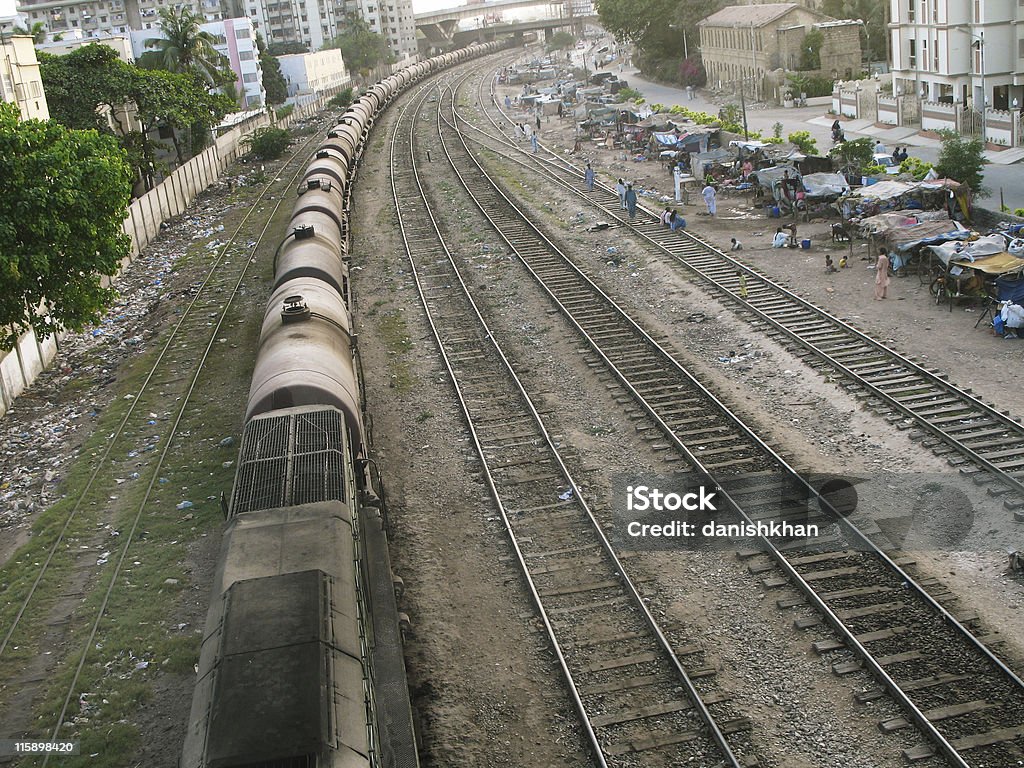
439	29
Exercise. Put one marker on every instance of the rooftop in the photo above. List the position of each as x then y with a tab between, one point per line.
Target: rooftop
752	15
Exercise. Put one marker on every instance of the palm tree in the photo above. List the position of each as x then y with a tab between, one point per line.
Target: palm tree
185	47
37	33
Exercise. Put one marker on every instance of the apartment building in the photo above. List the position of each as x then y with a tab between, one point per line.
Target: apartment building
312	74
962	52
99	18
315	22
20	82
235	39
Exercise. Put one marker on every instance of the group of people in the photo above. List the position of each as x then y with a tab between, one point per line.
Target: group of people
782	239
627	197
899	154
672	219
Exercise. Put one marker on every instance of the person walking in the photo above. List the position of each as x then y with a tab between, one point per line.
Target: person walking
538	120
535	143
620	190
742	288
588	178
630	201
710	199
508	101
881	275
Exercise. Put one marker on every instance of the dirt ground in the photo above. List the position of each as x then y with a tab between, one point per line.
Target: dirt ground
484	682
446	534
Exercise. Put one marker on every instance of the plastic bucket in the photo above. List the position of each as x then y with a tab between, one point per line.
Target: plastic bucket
774	212
805	244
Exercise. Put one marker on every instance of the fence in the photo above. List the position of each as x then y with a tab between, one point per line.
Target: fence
20	367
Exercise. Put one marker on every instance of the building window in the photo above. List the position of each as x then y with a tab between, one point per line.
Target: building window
249	77
243	34
245	56
911	5
1020	46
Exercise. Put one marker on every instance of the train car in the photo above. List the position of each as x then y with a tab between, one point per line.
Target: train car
301	664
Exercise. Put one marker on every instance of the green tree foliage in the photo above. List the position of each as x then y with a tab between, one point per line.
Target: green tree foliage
664	31
916	167
361	48
285	49
37	32
184	47
341	100
560	41
79	85
63	199
810	50
854	156
961	159
267	143
803	141
273	81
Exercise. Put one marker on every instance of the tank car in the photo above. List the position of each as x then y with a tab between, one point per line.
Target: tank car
302	628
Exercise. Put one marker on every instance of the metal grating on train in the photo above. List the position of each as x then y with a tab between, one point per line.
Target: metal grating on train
293	459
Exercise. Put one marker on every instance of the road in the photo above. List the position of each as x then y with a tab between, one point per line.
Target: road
1007	178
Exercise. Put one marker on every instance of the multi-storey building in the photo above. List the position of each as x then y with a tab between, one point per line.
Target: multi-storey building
742	43
235	39
959	52
310	74
315	22
20	82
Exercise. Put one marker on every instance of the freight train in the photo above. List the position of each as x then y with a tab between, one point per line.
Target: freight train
301	660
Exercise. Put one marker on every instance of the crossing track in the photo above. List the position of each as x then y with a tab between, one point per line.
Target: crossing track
634	695
942	674
973	435
171	378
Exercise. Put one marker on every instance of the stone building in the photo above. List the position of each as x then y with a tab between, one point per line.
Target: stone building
20	81
740	44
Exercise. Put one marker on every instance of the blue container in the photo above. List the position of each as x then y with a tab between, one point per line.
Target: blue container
805	244
774	212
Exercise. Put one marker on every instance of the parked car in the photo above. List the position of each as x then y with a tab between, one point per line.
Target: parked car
886	161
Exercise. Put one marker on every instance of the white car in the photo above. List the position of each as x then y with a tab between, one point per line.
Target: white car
891	166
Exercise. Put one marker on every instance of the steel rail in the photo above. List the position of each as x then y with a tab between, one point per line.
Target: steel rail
136	398
704	712
861	651
935	380
538	601
184	402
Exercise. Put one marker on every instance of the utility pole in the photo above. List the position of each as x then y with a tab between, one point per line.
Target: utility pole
743	109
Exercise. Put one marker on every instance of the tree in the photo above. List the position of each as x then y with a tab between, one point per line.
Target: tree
273	81
37	32
560	41
287	48
185	47
854	156
63	198
79	84
810	50
803	141
362	49
961	159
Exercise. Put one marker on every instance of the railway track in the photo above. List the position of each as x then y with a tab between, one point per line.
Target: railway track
171	378
635	695
974	436
938	653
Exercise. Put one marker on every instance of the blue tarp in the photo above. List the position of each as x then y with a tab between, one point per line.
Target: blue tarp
1011	289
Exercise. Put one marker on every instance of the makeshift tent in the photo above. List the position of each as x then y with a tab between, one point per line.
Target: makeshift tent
971	250
825	185
903	239
701	161
996	264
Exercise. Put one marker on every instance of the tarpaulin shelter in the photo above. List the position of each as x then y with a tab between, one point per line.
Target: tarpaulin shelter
903	239
967	252
702	161
825	185
994	264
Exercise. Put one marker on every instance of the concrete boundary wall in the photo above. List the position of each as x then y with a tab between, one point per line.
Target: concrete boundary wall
888	110
937	116
20	367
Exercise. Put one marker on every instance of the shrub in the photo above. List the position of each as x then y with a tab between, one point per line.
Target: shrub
916	167
630	94
341	100
777	130
283	112
802	140
267	143
773	140
1018	212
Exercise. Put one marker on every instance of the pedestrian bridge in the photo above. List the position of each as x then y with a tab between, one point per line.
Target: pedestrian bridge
440	28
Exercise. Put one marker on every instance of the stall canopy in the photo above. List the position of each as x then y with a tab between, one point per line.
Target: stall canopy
996	264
